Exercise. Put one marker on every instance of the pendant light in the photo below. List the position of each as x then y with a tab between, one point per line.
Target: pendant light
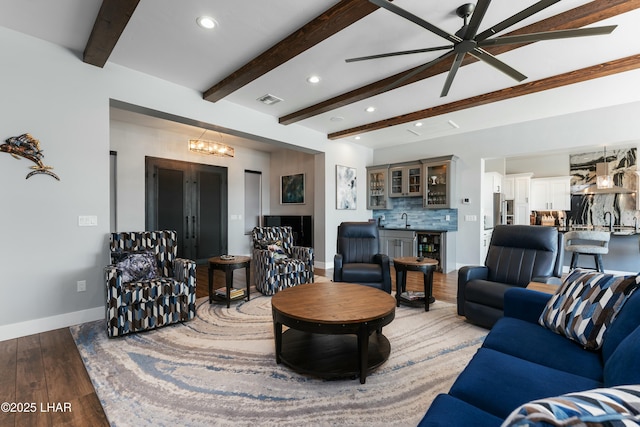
603	179
215	148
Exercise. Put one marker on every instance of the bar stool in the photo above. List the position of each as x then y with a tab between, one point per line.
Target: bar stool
593	243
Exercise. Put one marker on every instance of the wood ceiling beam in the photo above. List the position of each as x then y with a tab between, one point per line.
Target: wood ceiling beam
594	72
589	13
107	29
330	22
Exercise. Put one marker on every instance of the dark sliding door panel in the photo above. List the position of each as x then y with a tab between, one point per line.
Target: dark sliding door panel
190	198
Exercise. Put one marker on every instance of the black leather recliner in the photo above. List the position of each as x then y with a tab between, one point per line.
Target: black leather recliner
518	254
358	259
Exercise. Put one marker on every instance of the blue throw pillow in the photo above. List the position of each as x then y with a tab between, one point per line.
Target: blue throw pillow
586	304
607	407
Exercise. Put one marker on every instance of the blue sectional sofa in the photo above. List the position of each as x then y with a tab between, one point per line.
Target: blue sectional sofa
521	361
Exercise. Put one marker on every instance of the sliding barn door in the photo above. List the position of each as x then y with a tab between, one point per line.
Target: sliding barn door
190	198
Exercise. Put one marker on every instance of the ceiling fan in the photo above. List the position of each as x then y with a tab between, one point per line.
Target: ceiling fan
468	41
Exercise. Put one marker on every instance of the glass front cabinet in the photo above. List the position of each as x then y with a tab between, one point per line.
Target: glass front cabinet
440	182
377	187
405	181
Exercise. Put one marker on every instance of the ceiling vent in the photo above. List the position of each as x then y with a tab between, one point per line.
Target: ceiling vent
269	99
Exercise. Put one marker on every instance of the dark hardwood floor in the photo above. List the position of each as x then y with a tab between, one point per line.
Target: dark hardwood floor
43	375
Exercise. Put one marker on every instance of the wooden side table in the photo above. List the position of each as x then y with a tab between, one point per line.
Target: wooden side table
228	266
547	288
424	265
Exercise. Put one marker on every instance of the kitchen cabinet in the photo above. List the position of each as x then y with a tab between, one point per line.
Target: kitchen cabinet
377	187
405	180
493	182
398	243
440	182
551	194
521	191
508	187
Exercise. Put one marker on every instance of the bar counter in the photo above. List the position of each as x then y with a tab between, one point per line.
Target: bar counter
624	250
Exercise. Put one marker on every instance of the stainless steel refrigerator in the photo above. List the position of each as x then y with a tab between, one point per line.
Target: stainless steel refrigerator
498	211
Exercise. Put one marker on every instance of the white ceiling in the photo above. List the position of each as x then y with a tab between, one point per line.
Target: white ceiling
163	40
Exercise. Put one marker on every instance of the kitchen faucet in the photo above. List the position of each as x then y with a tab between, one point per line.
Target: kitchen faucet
406	219
610	220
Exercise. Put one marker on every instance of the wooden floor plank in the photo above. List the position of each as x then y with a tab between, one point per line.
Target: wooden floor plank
8	359
68	383
86	411
31	386
65	373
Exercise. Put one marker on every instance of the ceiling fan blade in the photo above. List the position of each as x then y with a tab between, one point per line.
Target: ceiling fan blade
415	19
457	61
485	56
531	10
549	35
476	19
417	71
403	52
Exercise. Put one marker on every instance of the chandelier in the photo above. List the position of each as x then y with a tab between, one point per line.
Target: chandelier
203	146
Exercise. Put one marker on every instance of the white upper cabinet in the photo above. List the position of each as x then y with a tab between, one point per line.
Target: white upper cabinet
551	194
493	181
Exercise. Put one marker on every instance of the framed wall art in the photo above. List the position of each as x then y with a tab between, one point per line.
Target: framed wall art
292	189
346	189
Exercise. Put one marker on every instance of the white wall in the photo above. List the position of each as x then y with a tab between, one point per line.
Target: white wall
47	91
44	252
541	166
343	154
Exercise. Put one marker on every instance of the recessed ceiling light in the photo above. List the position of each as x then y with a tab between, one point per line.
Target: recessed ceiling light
336	119
357	138
313	79
418	124
206	22
370	109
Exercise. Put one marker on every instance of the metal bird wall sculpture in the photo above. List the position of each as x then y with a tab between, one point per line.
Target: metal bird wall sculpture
28	147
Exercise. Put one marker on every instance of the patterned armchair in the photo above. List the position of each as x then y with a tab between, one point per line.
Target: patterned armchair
277	263
147	285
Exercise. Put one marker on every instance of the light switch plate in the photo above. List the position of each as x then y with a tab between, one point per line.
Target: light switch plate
87	221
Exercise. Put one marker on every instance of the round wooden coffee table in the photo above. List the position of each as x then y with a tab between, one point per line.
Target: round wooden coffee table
424	265
322	319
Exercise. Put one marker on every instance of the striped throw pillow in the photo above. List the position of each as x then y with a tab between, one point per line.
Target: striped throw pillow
607	407
586	304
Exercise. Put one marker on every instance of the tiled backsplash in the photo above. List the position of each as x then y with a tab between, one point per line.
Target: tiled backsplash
418	217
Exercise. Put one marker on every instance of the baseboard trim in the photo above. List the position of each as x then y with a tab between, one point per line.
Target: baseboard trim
322	265
36	326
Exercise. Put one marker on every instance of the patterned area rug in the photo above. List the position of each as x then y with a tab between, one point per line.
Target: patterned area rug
220	369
